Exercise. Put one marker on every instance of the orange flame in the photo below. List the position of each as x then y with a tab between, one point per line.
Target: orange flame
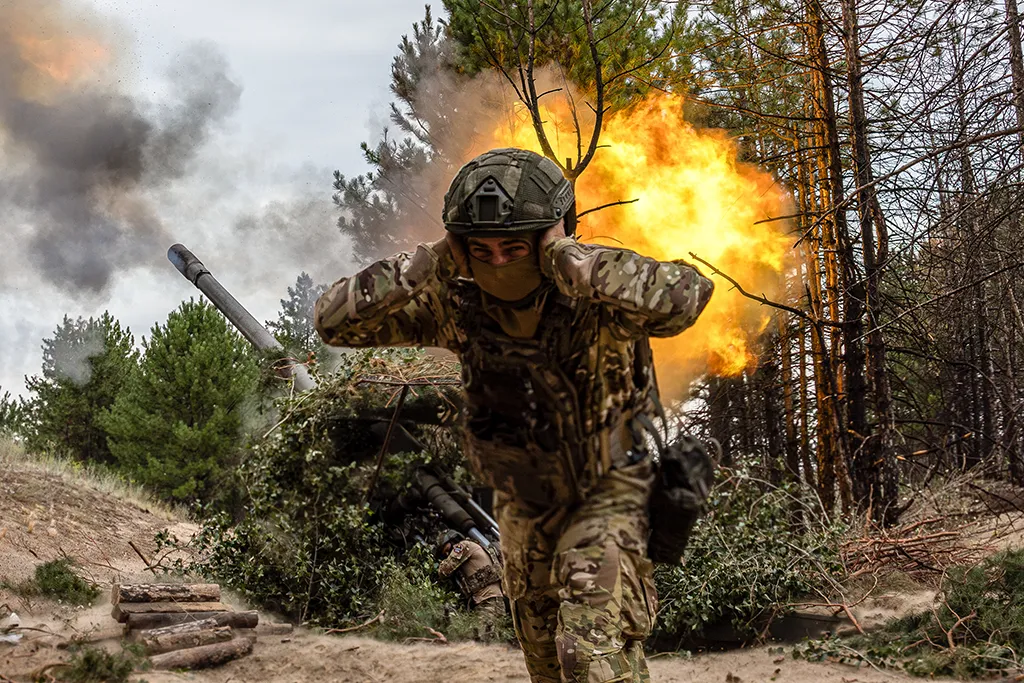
62	60
692	195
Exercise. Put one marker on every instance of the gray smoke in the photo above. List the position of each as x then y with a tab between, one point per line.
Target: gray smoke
81	154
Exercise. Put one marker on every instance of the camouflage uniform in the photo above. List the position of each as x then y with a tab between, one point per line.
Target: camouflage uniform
549	424
479	578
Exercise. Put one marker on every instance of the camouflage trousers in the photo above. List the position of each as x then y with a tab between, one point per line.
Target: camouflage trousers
580	584
491	613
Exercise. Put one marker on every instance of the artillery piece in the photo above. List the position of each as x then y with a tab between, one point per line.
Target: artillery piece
456	506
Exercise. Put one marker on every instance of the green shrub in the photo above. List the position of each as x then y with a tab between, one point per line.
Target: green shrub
413	601
975	630
57	580
758	549
93	665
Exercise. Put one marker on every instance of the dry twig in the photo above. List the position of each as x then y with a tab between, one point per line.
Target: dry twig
368	622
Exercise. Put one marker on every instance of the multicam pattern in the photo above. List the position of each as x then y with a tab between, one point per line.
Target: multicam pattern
473	570
616	298
555	444
581	587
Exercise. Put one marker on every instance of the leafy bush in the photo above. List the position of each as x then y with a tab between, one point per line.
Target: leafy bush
57	580
311	545
757	550
975	629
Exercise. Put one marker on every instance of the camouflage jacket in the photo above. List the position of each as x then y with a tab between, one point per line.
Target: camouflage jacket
582	364
474	570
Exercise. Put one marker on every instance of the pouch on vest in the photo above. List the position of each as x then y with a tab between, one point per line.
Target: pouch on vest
682	483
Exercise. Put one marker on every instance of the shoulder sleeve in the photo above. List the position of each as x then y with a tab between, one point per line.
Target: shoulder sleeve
654	298
460	553
398	301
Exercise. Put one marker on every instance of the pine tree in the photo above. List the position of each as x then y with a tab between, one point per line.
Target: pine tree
397	203
178	424
85	365
12	415
294	325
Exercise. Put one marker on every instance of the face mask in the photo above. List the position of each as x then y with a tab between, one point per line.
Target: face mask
510	282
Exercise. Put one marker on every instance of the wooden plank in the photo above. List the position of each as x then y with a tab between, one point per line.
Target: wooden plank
123	609
204	656
232	619
155	645
163	592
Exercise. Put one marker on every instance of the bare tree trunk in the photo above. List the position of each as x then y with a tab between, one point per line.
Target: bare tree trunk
875	477
1016	63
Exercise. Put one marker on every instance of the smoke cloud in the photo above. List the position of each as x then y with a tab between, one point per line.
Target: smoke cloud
81	155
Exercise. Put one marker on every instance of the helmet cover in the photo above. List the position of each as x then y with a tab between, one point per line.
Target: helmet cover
508	191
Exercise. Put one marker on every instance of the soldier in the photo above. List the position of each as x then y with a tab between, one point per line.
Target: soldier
553	338
478	577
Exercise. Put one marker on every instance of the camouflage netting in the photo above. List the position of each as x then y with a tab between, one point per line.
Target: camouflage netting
314	543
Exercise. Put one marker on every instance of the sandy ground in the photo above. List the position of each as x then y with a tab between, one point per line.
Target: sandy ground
46	514
311	658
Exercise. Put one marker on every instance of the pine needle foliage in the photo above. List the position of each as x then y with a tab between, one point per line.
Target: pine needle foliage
177	425
975	629
58	581
760	548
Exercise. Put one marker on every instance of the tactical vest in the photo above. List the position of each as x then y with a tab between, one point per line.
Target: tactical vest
522	413
478	580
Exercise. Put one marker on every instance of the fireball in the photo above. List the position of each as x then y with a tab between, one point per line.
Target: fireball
687	192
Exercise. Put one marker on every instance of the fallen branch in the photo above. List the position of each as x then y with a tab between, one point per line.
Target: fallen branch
142	557
368	622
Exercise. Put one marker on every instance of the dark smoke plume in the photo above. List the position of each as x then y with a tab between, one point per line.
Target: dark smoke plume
80	154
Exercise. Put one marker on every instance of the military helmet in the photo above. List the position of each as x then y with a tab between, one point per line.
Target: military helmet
444	539
508	191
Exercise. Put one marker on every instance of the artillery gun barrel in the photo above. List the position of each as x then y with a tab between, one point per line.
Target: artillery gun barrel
435	493
196	273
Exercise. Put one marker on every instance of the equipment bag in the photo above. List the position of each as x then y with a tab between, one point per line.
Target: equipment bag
683	479
683	473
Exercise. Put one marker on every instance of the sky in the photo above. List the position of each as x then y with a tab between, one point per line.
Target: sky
254	199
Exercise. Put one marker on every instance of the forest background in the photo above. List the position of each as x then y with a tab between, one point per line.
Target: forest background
888	363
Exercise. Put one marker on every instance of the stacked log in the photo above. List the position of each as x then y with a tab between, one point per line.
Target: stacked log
183	626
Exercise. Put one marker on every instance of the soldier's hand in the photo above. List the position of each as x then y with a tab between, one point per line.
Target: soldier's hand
459	256
551	235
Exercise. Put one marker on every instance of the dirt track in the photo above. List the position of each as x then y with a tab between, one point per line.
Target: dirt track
45	514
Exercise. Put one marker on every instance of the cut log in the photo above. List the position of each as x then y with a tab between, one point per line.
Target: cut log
123	609
204	656
163	592
175	629
232	619
272	629
180	641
